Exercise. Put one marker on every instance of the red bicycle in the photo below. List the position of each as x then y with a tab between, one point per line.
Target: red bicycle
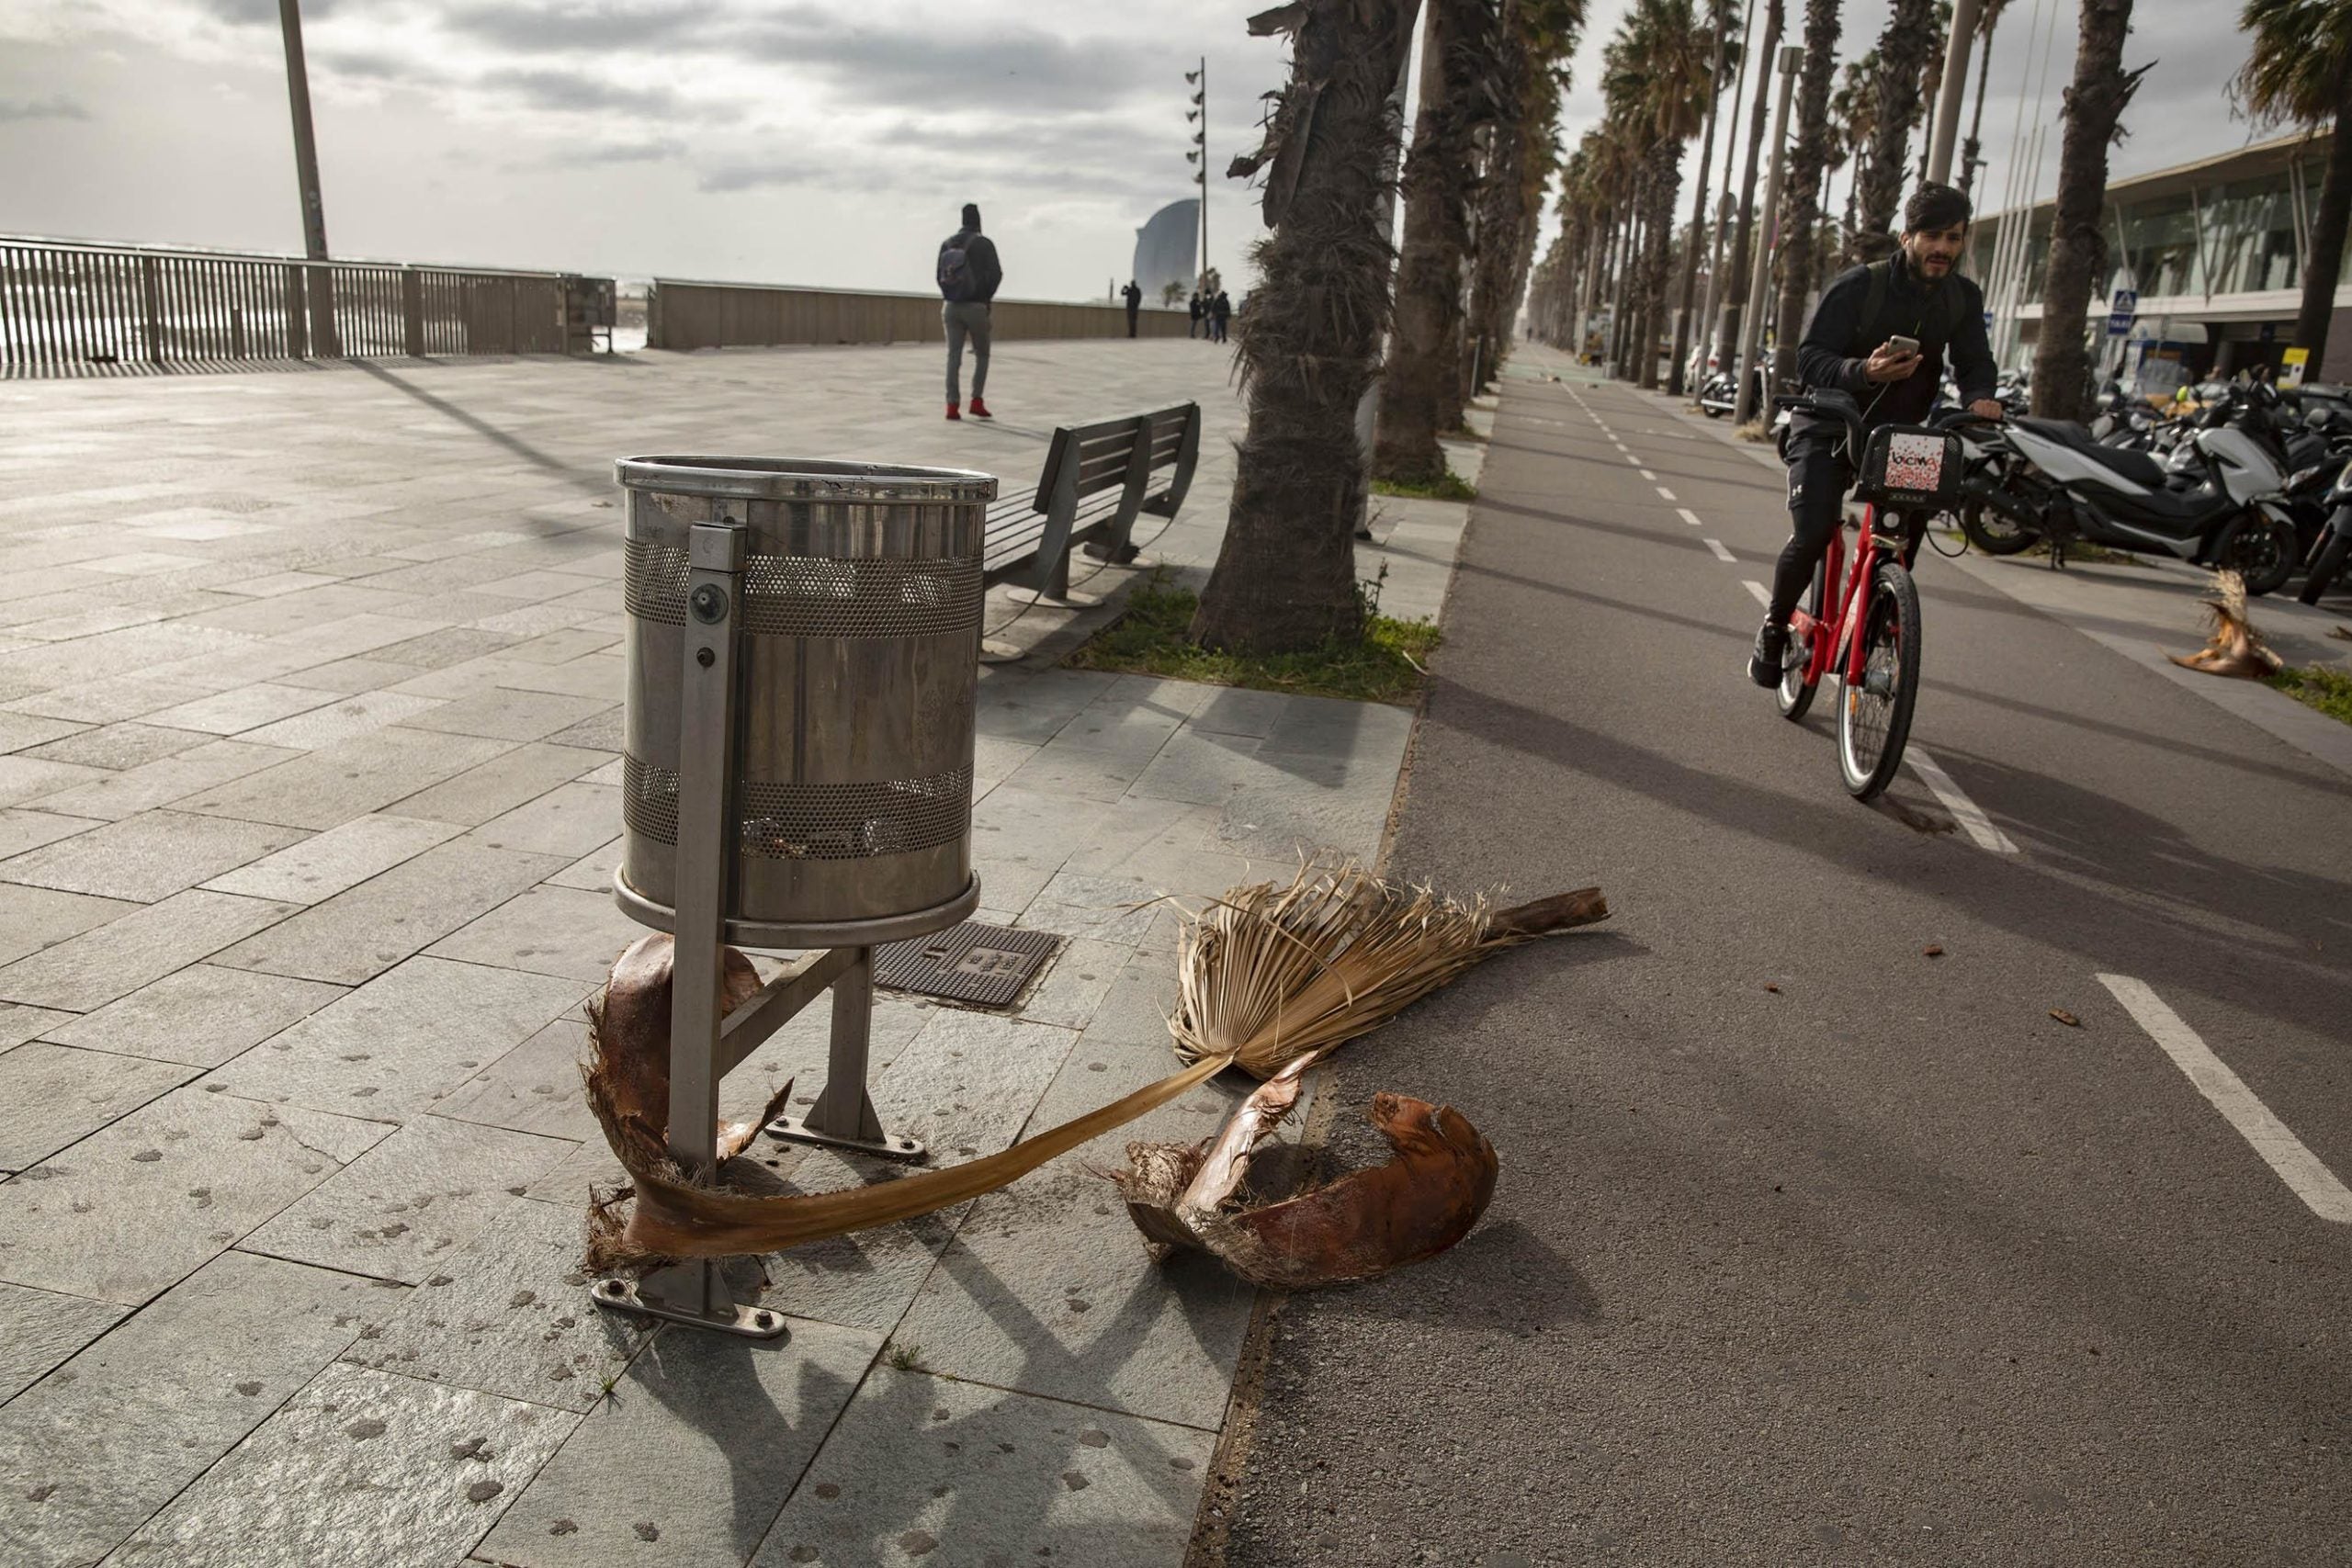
1870	640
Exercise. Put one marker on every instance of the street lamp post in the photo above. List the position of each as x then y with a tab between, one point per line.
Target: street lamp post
319	289
1751	326
1199	156
1953	88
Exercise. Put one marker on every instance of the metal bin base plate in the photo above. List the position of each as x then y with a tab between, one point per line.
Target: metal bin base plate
795	1129
749	1322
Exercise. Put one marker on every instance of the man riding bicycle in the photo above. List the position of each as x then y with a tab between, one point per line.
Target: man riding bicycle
1880	334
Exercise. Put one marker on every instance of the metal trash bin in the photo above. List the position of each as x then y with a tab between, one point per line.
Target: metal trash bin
856	681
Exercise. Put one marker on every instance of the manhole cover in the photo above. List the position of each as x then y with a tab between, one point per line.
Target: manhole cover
986	965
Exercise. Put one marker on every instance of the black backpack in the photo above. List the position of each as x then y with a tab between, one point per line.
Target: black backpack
954	271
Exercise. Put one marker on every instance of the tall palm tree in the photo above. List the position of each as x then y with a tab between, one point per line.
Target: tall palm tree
1853	117
1903	50
2300	72
1308	337
1660	64
1986	20
1758	67
1799	203
1536	36
1417	383
1724	56
2094	115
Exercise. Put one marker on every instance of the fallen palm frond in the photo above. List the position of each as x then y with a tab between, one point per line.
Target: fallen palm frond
1368	1221
2234	647
1271	973
668	1213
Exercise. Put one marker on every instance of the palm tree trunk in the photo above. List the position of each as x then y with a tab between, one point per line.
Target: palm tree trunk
1308	338
1417	384
1668	156
1973	145
1736	281
1699	204
1909	37
1799	200
2325	265
2078	238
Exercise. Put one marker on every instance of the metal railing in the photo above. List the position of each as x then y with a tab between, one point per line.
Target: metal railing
68	307
682	314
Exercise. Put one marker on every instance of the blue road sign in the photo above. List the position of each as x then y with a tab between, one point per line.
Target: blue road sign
2121	313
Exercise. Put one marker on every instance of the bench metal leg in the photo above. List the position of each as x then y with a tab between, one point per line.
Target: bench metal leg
843	1116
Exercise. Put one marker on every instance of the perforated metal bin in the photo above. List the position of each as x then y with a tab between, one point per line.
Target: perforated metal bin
859	605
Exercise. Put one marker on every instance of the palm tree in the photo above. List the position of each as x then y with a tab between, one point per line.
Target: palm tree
1417	383
2094	112
1734	294
1853	115
1538	36
1659	65
1800	205
1722	58
1307	339
1903	50
1986	20
2300	72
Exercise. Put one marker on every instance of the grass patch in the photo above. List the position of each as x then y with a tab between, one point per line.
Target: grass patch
1447	486
1149	638
2317	685
906	1358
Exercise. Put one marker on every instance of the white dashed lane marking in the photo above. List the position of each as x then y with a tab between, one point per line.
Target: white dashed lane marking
2300	1169
1715	544
1763	595
1964	812
1664	493
1691	517
1649	476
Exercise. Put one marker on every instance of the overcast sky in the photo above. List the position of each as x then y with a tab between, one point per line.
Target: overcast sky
819	141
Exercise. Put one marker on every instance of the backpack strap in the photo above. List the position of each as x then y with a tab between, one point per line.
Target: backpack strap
1874	301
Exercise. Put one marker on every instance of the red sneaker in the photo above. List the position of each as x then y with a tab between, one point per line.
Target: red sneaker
953	414
980	409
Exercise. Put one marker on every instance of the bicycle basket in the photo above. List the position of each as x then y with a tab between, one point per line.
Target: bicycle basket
1911	468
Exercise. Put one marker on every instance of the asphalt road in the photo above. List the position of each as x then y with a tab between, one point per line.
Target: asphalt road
1810	1248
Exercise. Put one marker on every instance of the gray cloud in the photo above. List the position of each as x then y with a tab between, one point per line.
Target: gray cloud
1015	68
655	150
370	64
254	13
570	27
58	108
549	88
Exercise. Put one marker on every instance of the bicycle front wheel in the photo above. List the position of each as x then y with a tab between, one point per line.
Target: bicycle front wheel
1875	713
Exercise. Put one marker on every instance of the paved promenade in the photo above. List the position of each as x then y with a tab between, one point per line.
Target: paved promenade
309	734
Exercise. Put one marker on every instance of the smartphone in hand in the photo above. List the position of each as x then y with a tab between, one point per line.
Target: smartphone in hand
1907	346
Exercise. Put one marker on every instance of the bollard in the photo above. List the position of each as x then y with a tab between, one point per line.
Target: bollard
803	664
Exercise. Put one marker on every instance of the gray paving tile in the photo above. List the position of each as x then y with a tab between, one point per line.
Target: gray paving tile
921	1463
1074	773
593	871
336	783
512	779
130	744
1203	768
159	784
1021	838
602	733
366	929
348	677
18	730
19	1024
401	1041
397	1210
140	1204
1105	908
320	867
342	720
110	699
122	1427
241	708
1076	980
507	715
202	1015
26	778
534	1087
61	1094
690	1459
601	676
568	820
148	857
23	829
40	1330
34	917
509	1314
1234	711
87	971
360	1467
548	930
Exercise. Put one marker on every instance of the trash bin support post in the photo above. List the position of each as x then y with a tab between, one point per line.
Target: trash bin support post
843	1116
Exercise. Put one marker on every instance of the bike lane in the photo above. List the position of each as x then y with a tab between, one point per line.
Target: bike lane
1810	1244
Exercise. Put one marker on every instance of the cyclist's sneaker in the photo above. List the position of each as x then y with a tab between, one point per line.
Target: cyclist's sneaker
1771	650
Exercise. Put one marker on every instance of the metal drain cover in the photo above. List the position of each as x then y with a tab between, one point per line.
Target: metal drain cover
986	965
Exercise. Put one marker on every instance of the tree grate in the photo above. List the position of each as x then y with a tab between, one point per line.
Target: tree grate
984	965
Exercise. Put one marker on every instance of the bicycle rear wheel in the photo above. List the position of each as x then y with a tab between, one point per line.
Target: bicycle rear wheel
1794	694
1874	714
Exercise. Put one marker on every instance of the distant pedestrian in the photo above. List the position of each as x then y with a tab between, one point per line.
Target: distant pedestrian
1194	330
969	275
1134	296
1220	312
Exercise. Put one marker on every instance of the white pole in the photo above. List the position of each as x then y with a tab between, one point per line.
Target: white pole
1954	88
1751	327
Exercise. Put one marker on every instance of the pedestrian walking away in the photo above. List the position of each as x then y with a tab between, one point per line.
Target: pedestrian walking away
1220	311
969	275
1194	330
1880	334
1134	296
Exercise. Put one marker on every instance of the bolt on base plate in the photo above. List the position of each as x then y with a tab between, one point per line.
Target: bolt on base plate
749	1322
795	1130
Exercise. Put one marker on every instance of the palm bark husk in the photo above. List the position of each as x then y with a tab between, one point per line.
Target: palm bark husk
2234	647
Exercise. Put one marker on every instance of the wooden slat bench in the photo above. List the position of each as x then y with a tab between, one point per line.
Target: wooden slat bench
1097	479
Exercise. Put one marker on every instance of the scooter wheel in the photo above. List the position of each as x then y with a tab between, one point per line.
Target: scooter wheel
2258	548
2325	567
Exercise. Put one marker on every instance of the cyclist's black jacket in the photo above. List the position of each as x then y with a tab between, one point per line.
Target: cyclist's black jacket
1945	316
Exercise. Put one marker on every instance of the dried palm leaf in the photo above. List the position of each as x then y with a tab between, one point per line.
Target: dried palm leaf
1366	1223
667	1213
1271	973
2233	647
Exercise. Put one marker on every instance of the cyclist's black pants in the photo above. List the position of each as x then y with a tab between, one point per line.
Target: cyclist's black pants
1818	475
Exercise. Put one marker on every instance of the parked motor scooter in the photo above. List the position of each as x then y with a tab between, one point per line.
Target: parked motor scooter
2326	560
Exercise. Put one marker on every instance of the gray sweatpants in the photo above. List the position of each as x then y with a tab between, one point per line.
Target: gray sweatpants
964	318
